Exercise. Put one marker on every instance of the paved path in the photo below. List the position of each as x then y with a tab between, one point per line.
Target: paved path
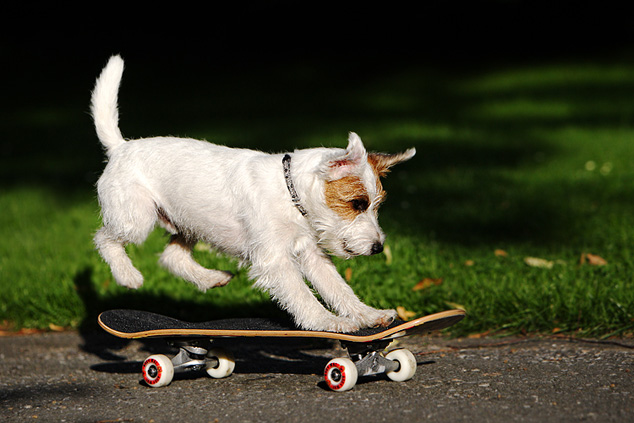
95	378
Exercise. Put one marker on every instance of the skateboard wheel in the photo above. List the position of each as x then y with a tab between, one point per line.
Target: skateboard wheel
158	370
225	366
341	374
407	365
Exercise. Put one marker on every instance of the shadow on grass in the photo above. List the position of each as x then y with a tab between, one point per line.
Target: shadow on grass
95	304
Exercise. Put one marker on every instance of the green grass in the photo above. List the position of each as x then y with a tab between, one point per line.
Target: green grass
536	160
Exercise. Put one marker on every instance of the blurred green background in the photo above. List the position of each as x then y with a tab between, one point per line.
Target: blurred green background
522	114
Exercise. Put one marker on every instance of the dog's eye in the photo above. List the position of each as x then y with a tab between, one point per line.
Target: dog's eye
360	204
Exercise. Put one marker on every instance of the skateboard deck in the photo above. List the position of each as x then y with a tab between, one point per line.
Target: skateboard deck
135	324
364	346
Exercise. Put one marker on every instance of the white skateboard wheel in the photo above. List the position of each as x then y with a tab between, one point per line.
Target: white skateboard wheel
407	365
225	366
158	370
341	374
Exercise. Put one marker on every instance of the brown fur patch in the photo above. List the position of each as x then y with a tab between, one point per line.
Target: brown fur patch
346	195
380	163
165	220
341	193
380	168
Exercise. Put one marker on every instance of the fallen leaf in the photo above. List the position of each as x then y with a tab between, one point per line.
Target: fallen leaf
479	335
469	263
55	328
348	274
388	254
592	260
501	253
24	331
426	283
596	260
538	262
404	314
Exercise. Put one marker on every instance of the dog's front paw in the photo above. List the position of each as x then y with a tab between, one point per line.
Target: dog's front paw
385	318
332	324
372	318
343	325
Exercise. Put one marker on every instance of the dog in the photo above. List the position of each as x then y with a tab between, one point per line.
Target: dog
280	214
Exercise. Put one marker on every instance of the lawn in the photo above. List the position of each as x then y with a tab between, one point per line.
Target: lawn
515	161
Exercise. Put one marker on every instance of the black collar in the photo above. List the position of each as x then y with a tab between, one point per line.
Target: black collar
286	162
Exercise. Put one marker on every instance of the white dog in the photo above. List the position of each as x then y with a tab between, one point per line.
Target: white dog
279	213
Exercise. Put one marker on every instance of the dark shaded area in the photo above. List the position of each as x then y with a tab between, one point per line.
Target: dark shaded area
162	304
98	342
268	73
265	75
254	355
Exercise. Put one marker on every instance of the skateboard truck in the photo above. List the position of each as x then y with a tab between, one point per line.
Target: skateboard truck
368	359
192	355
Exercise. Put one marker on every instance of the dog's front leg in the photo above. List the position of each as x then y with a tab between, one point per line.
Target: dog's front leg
323	275
281	278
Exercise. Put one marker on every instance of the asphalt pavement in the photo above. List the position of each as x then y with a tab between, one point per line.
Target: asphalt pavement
94	377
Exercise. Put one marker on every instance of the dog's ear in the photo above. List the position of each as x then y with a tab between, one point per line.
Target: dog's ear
348	163
382	162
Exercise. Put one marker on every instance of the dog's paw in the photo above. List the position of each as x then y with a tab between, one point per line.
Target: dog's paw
332	324
372	318
385	318
213	279
343	325
128	277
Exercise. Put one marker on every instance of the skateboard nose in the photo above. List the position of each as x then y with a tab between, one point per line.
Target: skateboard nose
377	248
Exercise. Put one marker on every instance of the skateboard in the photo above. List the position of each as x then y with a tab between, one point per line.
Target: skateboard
196	352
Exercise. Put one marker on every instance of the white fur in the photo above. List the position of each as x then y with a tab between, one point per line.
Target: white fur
236	200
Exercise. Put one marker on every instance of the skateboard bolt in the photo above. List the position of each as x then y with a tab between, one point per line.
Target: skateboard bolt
152	371
335	374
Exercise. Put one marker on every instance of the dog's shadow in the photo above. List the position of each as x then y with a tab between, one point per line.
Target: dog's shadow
255	355
252	356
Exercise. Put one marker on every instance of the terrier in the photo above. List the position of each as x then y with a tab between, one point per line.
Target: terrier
281	214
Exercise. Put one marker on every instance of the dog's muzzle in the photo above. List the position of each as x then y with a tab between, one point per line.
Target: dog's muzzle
377	248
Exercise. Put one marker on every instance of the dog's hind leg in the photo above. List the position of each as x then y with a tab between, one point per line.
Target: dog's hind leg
112	250
129	215
177	258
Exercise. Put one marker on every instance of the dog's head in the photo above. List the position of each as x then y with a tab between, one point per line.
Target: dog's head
352	193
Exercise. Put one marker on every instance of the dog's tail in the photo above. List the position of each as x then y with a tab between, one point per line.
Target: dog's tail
104	105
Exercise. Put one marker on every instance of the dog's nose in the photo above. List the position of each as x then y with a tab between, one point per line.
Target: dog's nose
377	248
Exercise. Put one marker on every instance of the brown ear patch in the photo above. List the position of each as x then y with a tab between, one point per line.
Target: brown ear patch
380	163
